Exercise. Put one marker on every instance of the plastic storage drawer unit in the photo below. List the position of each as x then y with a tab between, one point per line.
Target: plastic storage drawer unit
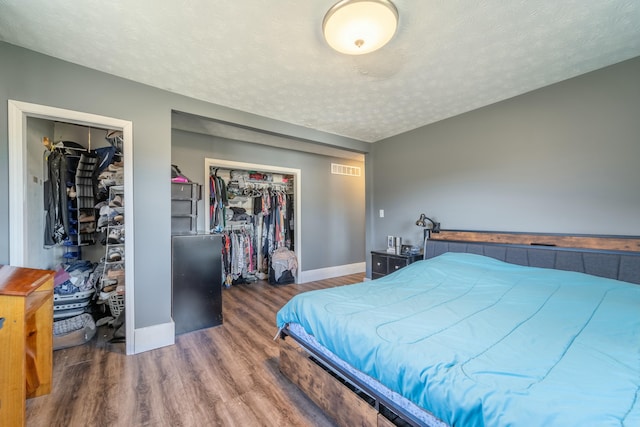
184	206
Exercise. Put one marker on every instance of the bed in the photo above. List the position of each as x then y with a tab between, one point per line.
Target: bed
491	329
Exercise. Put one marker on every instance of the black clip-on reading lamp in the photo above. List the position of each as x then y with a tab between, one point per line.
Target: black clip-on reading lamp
422	222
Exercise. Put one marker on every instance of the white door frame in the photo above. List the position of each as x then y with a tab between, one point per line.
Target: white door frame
18	113
297	186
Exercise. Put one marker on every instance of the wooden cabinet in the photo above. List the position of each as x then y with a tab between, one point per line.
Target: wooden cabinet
26	339
383	263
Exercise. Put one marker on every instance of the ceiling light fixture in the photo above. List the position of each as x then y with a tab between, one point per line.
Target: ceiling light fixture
356	27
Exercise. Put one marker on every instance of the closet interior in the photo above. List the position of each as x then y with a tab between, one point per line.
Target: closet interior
254	212
84	215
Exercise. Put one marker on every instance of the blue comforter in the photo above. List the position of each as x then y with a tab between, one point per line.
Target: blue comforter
479	342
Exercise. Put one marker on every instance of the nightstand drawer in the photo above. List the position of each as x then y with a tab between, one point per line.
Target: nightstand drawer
379	264
396	264
383	263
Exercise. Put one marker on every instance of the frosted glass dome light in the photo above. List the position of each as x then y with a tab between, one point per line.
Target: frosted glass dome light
356	27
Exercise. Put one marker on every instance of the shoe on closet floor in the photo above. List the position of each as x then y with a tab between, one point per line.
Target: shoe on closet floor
104	296
115	254
106	210
103	221
108	285
87	228
107	182
116	202
115	237
115	274
83	217
105	320
109	288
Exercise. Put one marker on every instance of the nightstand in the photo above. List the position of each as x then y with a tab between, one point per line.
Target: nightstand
383	262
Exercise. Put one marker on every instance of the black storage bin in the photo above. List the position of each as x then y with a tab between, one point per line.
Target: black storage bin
285	278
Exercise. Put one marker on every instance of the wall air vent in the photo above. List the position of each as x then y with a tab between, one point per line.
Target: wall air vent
338	169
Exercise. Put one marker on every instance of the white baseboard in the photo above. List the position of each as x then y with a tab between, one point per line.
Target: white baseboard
153	337
330	272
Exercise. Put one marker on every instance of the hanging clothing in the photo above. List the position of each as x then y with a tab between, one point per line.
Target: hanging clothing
265	210
55	203
217	203
237	256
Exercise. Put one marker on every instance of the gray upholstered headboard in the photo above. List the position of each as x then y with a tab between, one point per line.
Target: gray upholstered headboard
618	265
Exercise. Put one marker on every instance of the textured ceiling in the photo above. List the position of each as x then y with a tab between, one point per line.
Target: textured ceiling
269	58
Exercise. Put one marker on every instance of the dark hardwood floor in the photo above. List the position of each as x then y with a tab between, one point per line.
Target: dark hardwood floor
226	376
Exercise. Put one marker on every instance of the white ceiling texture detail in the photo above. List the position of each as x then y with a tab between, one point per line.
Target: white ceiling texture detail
268	57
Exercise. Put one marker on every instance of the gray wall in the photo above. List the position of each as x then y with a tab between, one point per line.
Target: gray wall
562	159
333	210
31	77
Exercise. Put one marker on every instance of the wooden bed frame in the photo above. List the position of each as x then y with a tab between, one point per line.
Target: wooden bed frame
333	395
350	403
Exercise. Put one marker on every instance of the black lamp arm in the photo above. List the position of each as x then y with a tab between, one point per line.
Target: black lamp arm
436	226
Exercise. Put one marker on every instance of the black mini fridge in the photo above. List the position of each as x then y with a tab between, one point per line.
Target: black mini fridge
196	270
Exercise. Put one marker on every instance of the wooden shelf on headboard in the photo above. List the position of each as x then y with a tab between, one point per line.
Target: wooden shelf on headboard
611	243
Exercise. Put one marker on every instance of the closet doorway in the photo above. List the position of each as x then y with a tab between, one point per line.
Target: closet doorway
210	164
20	179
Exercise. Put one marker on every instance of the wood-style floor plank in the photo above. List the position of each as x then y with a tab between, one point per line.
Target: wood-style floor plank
222	376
